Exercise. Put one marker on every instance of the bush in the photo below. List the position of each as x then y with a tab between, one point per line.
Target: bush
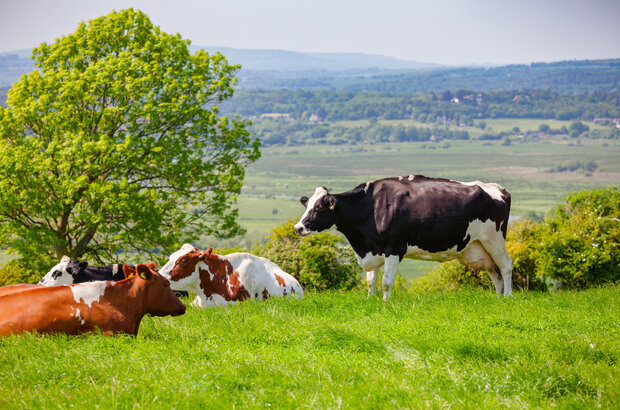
451	275
320	261
580	243
522	240
16	272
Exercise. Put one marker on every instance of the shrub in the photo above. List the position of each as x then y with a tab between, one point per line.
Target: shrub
451	275
319	261
16	272
580	243
522	241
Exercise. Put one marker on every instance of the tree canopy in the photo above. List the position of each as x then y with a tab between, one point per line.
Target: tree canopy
115	143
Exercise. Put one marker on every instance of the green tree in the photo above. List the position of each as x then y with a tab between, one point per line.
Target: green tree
544	128
114	143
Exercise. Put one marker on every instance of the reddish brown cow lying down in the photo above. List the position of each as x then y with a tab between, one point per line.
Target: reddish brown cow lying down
112	307
5	290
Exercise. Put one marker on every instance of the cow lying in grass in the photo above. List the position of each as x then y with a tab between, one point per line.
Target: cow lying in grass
221	279
111	307
69	271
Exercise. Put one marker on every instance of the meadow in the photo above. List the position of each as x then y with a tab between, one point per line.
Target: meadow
462	349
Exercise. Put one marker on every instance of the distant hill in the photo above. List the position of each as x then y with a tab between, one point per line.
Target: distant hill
281	60
564	77
279	69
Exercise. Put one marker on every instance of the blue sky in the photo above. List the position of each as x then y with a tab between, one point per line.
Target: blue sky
438	31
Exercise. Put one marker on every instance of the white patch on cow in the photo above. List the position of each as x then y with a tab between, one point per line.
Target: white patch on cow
401	178
185	249
78	317
494	190
190	282
115	269
411	177
366	187
414	252
89	292
65	277
371	262
318	194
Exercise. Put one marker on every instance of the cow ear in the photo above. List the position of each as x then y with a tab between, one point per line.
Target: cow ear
65	259
151	265
304	201
144	272
128	271
332	202
205	255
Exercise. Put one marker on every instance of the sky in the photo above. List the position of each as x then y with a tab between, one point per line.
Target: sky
451	32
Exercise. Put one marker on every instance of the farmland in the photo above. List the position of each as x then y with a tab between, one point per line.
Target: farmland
330	350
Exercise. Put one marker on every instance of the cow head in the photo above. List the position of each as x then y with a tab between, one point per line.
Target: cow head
184	274
185	249
160	299
65	272
320	212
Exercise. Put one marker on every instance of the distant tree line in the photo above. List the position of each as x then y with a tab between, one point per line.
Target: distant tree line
459	107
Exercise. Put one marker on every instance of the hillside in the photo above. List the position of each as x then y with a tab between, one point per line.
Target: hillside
566	77
287	61
331	350
277	69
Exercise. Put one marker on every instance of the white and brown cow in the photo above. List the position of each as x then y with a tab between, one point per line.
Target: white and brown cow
419	218
111	307
222	279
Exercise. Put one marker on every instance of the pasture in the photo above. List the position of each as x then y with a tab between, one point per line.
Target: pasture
328	350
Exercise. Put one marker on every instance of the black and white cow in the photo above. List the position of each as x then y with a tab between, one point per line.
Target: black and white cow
419	218
69	271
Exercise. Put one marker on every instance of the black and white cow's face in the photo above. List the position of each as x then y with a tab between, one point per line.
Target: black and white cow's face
66	272
320	212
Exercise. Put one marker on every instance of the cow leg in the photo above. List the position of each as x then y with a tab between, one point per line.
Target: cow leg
198	302
371	281
503	261
498	282
389	274
201	299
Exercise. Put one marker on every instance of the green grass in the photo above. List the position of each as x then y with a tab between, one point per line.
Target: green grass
464	349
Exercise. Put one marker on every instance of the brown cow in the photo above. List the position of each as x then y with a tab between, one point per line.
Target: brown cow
8	289
111	307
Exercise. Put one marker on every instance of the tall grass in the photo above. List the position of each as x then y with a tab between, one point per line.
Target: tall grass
462	349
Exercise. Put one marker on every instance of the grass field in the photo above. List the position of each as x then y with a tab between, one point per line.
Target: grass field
464	349
492	125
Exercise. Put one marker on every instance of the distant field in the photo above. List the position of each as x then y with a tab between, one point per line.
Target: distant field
495	125
329	350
